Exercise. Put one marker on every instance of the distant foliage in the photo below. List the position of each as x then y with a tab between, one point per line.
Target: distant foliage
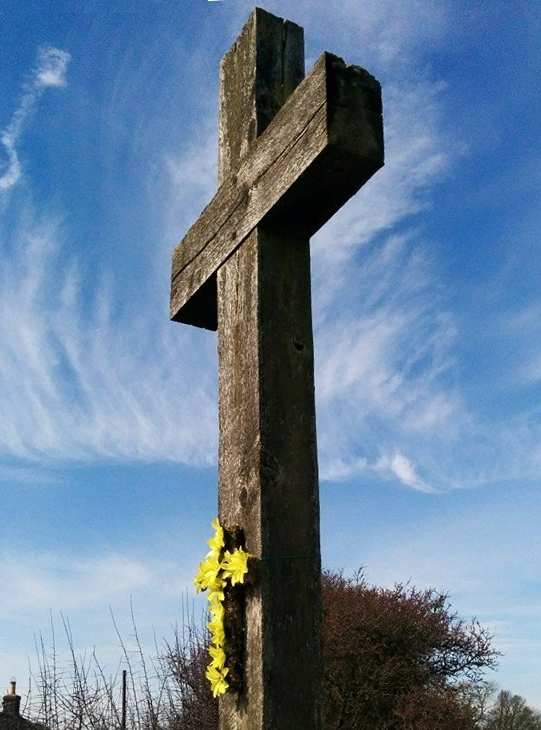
510	712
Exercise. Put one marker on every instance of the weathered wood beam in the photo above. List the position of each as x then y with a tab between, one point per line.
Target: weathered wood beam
268	457
321	147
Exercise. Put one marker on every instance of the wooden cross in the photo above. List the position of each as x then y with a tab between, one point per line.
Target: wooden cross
293	150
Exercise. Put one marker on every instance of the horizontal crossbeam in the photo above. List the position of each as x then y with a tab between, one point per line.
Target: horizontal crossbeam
321	147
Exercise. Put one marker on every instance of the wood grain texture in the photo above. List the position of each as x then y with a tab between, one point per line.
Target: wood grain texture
268	475
257	75
321	147
268	457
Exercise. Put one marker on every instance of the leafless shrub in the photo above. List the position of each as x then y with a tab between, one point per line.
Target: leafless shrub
165	691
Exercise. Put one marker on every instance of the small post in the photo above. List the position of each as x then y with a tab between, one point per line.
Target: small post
124	698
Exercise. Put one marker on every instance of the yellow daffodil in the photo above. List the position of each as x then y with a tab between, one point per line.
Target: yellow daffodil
217	679
235	565
216	612
207	574
216	542
217	631
218	656
214	571
216	599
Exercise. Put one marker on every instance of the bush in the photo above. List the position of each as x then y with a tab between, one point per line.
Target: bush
397	658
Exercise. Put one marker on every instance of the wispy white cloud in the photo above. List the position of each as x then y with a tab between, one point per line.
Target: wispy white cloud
399	466
51	67
85	381
79	380
191	179
50	71
58	582
84	377
384	352
522	328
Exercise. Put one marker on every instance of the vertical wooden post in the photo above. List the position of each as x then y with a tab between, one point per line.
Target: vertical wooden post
124	698
268	483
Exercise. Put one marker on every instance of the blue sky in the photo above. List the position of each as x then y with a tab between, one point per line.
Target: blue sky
426	311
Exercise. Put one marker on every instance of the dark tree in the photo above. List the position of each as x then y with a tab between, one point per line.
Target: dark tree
397	658
510	712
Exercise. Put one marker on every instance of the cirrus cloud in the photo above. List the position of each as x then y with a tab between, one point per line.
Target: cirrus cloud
50	71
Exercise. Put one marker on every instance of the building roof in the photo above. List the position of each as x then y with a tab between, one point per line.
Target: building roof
10	717
17	722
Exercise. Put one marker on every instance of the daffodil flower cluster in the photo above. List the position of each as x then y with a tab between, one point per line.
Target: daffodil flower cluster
215	570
